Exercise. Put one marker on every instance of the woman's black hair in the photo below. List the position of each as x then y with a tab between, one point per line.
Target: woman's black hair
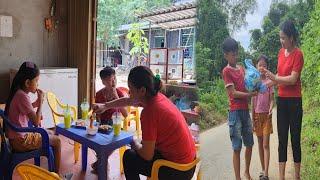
142	76
27	71
290	30
265	58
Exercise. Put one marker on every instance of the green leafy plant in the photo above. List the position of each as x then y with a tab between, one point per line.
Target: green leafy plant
140	43
311	96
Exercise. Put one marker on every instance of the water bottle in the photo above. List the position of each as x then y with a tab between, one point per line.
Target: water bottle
84	109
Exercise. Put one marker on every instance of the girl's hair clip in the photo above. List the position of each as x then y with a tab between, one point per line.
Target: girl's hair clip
30	65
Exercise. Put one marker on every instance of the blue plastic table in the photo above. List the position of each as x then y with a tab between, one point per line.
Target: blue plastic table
102	144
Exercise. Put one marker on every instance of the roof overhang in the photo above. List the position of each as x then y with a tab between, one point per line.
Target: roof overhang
173	17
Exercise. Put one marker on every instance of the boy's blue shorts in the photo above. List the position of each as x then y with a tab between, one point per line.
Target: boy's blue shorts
240	128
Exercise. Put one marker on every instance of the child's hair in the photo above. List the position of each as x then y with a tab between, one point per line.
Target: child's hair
27	71
142	76
289	29
229	45
107	72
265	58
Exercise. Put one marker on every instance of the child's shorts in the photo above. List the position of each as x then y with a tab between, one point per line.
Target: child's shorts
240	129
262	124
30	141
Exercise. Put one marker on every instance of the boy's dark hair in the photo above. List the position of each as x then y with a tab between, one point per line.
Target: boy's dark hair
289	29
265	58
107	72
27	71
142	76
229	45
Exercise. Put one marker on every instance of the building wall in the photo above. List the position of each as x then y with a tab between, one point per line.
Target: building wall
31	41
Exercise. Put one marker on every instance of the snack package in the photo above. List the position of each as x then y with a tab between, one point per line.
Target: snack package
252	78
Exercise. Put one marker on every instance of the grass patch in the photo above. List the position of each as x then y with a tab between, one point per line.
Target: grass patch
310	144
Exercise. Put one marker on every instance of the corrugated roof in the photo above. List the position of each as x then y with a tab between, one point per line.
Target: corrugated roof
173	17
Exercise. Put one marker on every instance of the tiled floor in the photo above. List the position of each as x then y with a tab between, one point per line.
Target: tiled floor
68	165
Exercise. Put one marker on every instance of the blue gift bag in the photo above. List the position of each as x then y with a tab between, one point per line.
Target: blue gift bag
252	78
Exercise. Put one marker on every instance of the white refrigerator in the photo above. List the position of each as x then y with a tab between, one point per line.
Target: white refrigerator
61	81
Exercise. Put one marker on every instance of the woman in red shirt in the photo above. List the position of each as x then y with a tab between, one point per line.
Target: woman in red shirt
289	105
165	133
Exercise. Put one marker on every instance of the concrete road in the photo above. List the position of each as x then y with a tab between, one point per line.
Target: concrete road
216	155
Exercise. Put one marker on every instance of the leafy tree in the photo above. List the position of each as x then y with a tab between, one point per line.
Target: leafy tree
256	35
237	11
140	43
211	32
113	13
215	18
267	25
202	70
277	11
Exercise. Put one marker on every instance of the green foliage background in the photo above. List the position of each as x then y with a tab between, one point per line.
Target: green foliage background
311	95
113	13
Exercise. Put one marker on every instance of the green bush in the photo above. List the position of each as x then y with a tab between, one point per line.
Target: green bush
311	92
310	145
213	104
311	49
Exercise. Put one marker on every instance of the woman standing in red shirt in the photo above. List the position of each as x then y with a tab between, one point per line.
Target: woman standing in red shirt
289	105
165	133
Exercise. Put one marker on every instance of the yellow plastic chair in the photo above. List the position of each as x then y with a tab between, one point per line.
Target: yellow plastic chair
32	172
180	167
133	114
54	103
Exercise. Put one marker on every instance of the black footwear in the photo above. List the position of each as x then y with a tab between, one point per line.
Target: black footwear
67	176
265	178
261	175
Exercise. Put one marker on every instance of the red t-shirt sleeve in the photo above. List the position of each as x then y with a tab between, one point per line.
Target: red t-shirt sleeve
227	78
24	106
148	127
120	93
298	62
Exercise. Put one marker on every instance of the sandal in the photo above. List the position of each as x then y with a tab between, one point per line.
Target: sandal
261	175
